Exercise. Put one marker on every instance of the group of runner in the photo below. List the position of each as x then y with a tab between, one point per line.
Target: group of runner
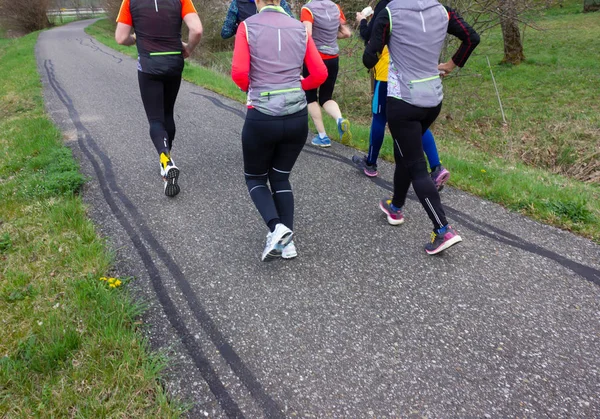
288	69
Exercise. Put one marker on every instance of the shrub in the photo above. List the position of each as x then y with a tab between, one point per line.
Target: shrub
25	15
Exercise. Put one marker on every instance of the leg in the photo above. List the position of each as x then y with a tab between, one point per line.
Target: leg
284	158
171	89
259	136
378	122
152	91
407	123
321	139
330	106
315	113
439	174
326	89
430	149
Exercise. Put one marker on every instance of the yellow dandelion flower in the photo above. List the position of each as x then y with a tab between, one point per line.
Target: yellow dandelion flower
111	280
103	278
112	285
483	170
118	282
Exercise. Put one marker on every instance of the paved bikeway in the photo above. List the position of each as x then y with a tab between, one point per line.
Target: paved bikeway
363	323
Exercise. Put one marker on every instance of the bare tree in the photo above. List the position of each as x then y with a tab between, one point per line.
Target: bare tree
509	22
510	15
25	15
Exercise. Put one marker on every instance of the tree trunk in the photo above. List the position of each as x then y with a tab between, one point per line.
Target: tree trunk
509	22
591	5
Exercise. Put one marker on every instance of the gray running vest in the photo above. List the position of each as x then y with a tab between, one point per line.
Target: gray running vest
326	16
417	32
277	49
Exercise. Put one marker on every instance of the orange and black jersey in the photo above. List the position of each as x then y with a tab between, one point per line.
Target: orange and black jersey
157	25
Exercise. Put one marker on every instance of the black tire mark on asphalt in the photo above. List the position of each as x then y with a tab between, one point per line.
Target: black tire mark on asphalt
109	189
482	228
221	105
96	48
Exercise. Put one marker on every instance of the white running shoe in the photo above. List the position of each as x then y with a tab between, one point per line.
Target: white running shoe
170	174
289	251
276	241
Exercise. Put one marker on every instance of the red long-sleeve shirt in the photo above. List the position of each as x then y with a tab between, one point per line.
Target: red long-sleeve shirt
240	66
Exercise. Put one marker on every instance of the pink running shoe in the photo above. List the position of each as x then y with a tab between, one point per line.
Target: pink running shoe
393	217
442	241
440	176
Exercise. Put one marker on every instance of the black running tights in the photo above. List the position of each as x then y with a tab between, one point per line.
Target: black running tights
271	145
159	94
407	124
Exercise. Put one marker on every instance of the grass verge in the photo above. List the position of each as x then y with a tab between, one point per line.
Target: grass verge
68	341
530	165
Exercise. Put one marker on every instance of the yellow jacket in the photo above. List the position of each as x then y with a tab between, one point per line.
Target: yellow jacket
382	66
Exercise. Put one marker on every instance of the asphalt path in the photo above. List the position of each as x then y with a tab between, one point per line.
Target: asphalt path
363	323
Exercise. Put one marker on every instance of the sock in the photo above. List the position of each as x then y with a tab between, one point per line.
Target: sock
394	208
441	231
339	120
322	135
273	223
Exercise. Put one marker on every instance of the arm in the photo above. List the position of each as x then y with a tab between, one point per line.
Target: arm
123	35
284	4
124	24
366	29
379	38
192	21
363	26
240	64
230	25
343	31
307	19
317	72
470	39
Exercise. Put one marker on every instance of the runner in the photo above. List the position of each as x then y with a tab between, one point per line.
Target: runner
240	10
414	31
326	23
368	164
161	53
270	48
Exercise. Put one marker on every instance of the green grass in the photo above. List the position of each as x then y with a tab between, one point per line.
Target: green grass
68	341
545	162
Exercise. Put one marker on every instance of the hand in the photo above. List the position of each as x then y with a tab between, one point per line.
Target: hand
186	51
359	17
446	68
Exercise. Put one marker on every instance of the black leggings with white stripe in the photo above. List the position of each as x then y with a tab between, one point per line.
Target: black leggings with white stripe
407	124
159	93
271	145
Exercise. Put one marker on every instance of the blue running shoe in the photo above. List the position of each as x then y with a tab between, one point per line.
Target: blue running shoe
344	131
321	142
